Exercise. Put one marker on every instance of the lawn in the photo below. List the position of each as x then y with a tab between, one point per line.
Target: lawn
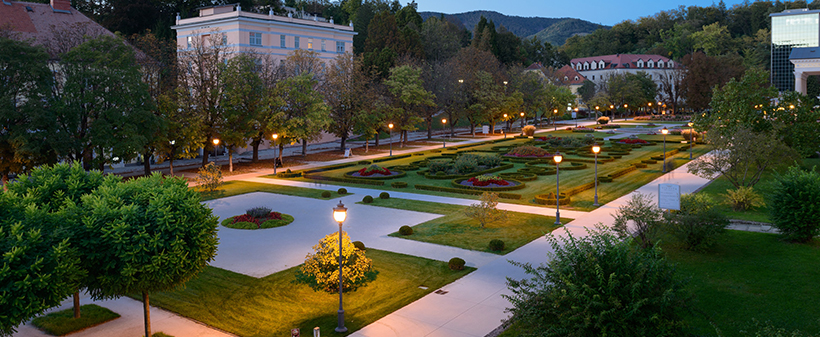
753	275
545	183
62	322
457	230
272	305
237	187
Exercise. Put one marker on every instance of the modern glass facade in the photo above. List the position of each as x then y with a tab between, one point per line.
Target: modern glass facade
791	29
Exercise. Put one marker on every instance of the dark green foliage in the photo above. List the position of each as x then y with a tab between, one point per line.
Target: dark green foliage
406	230
258	212
325	194
496	245
367	199
599	285
794	204
639	218
698	223
62	322
50	187
398	184
342	191
359	245
384	195
456	263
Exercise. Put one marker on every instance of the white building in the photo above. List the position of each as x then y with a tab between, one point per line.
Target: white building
598	68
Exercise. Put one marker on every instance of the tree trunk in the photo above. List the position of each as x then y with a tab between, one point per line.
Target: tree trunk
205	154
230	158
377	139
146	162
147	312
77	304
5	181
430	128
344	139
281	149
304	147
171	164
366	145
472	129
255	145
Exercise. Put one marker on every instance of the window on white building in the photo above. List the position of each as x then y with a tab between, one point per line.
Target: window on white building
601	64
224	39
650	64
296	42
340	47
310	44
593	77
660	64
189	40
576	78
323	45
282	41
640	64
255	39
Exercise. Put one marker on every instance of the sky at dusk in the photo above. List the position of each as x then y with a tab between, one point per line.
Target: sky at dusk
597	11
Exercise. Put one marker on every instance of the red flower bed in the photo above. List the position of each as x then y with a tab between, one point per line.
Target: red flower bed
369	171
633	141
486	181
257	221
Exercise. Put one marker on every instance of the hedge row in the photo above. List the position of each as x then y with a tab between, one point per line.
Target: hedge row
465	191
522	176
549	199
329	168
457	184
392	158
456	176
610	177
345	180
402	174
288	174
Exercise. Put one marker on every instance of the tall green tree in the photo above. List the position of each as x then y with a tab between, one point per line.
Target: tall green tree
24	85
149	234
303	114
246	104
406	86
344	90
743	103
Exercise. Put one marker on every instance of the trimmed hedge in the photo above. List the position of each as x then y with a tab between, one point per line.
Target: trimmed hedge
549	199
364	162
289	174
456	176
465	191
457	184
349	175
398	184
522	176
329	168
403	168
649	161
345	180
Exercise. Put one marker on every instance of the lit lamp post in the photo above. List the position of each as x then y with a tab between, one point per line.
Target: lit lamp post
443	128
339	214
554	119
274	136
626	113
557	158
595	149
172	155
664	131
691	138
596	112
522	123
216	142
612	108
649	109
505	122
390	126
576	117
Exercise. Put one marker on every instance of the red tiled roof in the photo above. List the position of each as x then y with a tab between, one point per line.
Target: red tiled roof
570	74
535	66
620	61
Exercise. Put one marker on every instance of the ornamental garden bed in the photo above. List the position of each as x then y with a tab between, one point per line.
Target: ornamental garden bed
375	172
258	218
489	183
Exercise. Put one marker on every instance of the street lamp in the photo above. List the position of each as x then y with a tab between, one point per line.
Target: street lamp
274	136
505	122
554	119
626	112
612	108
171	157
664	131
522	123
557	158
576	117
339	214
595	149
596	112
691	138
444	129
216	142
390	126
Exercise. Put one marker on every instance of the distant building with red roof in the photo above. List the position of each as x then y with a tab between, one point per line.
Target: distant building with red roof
598	68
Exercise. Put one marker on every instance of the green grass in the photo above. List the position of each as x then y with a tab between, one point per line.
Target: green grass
457	230
272	305
286	220
753	275
62	322
236	187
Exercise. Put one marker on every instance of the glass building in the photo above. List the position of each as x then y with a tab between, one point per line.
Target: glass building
791	29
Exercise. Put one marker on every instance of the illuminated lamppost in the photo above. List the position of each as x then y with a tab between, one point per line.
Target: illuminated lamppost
172	155
596	112
554	119
557	158
339	214
664	131
216	142
390	126
612	108
576	117
505	122
522	123
691	138
274	136
443	128
595	149
626	112
649	108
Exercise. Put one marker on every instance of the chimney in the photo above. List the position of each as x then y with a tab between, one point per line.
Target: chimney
63	6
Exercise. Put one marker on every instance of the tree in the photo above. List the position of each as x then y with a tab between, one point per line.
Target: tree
406	87
24	85
439	79
741	104
671	88
487	211
302	114
246	104
321	269
698	222
714	39
440	38
639	218
483	99
704	73
794	204
587	90
599	285
795	121
148	234
103	109
184	130
344	90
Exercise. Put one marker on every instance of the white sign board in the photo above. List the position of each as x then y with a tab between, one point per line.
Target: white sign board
669	196
485	129
347	153
573	115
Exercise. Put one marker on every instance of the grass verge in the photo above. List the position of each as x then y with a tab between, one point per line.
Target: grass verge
236	187
62	322
455	229
272	305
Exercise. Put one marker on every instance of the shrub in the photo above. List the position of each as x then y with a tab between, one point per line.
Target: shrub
687	135
209	177
528	151
496	245
456	263
795	204
359	245
325	194
491	160
599	285
367	199
342	191
436	166
465	164
321	269
639	218
486	211
603	120
384	195
258	212
406	230
364	162
398	184
529	130
742	198
698	223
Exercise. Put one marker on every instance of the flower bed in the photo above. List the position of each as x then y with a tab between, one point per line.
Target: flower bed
488	183
528	152
374	169
632	141
583	129
486	180
245	221
375	172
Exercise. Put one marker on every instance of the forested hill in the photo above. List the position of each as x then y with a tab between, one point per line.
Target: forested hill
554	30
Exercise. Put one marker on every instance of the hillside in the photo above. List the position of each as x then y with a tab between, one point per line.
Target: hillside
554	30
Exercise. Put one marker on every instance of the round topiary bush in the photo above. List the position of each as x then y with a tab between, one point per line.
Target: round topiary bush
496	245
342	191
456	263
325	194
384	195
367	199
406	230
359	245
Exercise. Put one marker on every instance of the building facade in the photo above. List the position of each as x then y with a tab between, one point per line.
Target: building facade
271	35
795	28
598	68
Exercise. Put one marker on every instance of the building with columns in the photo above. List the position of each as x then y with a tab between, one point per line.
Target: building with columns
264	34
792	30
